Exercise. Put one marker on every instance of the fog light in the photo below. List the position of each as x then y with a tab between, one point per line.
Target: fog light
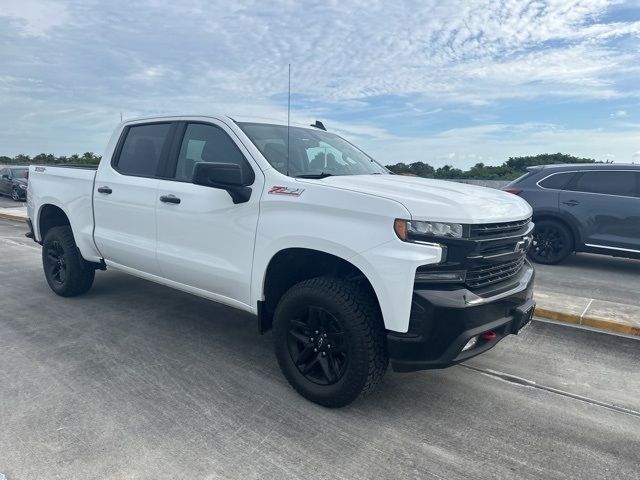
443	276
470	344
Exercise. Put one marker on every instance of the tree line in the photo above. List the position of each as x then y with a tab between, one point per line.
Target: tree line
87	158
512	168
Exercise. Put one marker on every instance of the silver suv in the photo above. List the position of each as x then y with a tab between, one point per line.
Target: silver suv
582	208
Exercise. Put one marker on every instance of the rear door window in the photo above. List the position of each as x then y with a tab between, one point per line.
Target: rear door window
557	181
142	149
619	183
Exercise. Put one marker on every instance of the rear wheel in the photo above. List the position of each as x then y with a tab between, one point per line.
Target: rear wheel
67	273
552	242
330	340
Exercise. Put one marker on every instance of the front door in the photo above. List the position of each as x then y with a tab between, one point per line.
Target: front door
204	240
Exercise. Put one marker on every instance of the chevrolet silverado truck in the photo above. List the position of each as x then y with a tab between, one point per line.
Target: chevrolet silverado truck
352	267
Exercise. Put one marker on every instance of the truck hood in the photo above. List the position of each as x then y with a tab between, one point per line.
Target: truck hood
437	200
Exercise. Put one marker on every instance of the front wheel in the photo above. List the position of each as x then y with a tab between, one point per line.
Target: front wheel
552	242
330	340
15	195
67	273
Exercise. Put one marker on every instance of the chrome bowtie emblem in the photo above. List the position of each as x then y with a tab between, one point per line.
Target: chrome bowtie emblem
523	245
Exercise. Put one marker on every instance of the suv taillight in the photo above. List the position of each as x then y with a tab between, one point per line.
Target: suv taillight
515	191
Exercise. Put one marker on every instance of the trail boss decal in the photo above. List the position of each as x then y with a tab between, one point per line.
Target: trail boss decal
290	191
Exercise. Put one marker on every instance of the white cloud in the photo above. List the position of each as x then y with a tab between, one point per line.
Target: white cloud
619	114
35	17
494	143
79	64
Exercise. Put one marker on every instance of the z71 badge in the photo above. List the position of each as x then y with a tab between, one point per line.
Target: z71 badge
290	191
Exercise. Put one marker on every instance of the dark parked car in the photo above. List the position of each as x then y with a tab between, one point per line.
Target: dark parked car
582	208
13	182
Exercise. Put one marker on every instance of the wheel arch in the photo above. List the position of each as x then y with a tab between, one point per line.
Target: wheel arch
295	264
556	217
50	216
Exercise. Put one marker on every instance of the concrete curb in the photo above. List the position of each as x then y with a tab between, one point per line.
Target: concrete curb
593	322
8	216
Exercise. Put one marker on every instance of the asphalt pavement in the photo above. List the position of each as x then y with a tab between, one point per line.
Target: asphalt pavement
594	276
6	202
135	380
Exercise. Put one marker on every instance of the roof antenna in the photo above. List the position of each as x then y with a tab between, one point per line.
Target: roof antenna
288	117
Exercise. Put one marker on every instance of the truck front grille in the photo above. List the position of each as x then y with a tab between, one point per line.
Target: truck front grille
484	275
501	229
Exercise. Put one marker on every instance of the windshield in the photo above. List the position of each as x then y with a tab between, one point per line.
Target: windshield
312	153
19	172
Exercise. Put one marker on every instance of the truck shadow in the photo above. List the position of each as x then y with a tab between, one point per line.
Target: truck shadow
154	325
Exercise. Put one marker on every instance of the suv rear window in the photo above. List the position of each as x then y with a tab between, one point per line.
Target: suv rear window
557	181
141	150
621	183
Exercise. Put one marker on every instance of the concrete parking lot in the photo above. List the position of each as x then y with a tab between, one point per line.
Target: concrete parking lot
134	380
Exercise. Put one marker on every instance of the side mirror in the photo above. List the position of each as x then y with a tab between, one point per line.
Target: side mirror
225	176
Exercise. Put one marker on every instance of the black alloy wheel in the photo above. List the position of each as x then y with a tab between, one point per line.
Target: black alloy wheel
317	346
330	341
66	272
55	263
552	242
15	195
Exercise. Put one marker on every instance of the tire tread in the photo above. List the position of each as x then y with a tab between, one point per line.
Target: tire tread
366	322
82	273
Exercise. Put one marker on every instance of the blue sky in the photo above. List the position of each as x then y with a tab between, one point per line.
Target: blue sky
455	82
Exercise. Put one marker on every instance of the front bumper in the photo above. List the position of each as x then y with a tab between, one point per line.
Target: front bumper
444	321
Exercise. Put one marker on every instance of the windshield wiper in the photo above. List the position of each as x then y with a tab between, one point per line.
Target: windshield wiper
315	175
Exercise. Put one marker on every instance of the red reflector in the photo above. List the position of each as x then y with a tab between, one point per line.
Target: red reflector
491	335
515	191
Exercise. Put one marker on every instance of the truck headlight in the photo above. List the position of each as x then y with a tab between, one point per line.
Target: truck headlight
411	230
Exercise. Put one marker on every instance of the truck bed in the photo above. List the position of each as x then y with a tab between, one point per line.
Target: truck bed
69	188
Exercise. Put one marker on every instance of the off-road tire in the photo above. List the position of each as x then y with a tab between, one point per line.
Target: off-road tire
78	274
358	313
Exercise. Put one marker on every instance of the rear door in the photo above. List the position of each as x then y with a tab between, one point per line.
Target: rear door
125	197
606	205
206	241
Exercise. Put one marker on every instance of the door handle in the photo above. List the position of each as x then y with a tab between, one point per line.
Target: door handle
106	190
169	199
572	203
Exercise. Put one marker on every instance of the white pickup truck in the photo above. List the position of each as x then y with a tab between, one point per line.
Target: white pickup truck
351	266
